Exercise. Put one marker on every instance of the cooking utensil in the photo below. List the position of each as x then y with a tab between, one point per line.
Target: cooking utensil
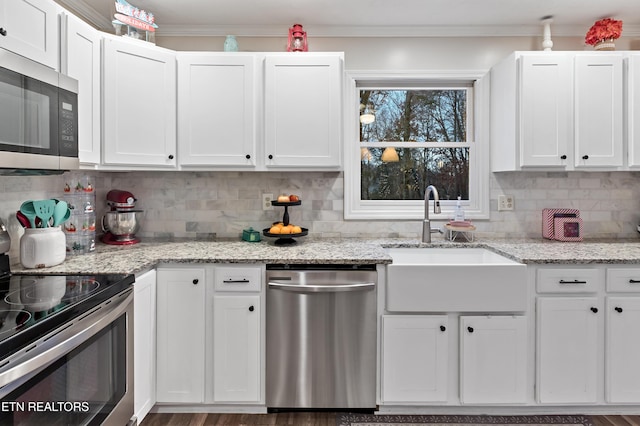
23	219
29	211
61	213
44	210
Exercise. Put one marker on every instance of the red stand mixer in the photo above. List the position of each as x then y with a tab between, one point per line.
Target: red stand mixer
122	222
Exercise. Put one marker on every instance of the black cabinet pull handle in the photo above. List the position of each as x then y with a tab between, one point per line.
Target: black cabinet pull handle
270	157
247	156
585	157
632	281
594	310
170	156
3	32
563	157
443	328
571	282
618	309
470	329
251	308
195	281
230	281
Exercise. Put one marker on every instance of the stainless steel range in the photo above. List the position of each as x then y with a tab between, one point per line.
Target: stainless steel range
66	349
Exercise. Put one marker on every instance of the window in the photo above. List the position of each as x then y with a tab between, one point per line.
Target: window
405	133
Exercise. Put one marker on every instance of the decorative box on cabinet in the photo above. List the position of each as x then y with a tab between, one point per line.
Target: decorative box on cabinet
303	110
217	109
30	28
81	59
139	104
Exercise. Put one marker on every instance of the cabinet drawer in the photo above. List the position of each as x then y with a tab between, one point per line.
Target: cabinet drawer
623	280
227	278
568	280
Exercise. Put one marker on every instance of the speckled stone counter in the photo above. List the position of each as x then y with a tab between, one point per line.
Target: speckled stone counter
149	253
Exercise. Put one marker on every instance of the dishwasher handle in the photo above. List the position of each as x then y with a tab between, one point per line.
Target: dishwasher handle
302	288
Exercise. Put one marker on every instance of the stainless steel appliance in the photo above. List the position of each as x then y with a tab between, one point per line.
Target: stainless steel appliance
122	222
321	336
38	116
66	349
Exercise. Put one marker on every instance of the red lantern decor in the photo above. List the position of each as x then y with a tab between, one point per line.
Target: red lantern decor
297	39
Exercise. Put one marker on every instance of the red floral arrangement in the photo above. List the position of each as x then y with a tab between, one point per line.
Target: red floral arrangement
602	30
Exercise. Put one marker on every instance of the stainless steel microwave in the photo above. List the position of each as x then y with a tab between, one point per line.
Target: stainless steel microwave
38	116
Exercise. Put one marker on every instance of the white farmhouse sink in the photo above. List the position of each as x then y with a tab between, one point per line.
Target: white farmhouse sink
454	280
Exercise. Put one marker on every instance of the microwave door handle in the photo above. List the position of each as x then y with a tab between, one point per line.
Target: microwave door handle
70	338
299	288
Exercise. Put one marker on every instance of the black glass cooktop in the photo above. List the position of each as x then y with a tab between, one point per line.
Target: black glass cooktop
33	305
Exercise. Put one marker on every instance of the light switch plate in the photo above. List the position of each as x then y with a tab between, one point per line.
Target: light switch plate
505	203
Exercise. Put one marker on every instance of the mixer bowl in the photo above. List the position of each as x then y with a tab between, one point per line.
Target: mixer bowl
122	225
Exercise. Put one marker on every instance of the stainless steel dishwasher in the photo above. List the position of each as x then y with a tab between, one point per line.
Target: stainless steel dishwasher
321	336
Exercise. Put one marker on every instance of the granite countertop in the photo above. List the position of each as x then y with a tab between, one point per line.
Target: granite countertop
149	253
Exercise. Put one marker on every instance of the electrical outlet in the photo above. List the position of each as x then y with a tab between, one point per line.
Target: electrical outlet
505	202
266	201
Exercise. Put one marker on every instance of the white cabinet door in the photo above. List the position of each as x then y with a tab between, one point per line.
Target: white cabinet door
80	59
217	109
568	349
622	369
414	359
303	111
633	109
181	333
598	110
236	348
139	101
493	359
144	356
545	110
30	28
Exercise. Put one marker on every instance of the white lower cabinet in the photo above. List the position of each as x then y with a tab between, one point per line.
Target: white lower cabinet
568	347
236	348
622	346
180	335
144	359
414	359
493	359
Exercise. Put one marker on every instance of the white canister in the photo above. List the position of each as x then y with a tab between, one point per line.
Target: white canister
42	247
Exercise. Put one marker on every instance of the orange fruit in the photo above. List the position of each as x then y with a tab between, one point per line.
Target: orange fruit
286	229
296	230
275	229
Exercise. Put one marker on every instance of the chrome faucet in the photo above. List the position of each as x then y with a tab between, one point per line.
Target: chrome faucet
426	223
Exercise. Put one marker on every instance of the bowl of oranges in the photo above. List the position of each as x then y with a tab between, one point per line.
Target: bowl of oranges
284	233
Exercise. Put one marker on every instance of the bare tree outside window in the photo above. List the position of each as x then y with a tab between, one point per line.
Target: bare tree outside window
423	127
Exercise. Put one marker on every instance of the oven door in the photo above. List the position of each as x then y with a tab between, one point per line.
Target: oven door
81	374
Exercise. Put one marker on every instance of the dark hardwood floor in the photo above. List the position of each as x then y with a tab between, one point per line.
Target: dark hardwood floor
302	419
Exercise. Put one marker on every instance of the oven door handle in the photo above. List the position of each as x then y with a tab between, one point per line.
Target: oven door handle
62	342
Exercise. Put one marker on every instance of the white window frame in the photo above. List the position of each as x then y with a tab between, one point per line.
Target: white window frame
477	207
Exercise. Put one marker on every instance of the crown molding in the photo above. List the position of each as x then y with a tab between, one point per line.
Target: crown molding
82	10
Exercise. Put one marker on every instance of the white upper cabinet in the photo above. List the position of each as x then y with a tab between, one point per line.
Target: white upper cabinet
30	28
598	109
545	97
558	111
80	59
217	109
139	104
302	101
633	109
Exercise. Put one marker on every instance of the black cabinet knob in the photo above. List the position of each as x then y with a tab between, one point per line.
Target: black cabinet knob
563	157
247	156
270	157
470	329
196	281
585	157
594	310
618	309
251	308
3	32
443	328
170	156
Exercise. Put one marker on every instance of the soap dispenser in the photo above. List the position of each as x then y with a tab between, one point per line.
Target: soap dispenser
459	213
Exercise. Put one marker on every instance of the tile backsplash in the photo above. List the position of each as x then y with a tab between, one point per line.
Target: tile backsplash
208	204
